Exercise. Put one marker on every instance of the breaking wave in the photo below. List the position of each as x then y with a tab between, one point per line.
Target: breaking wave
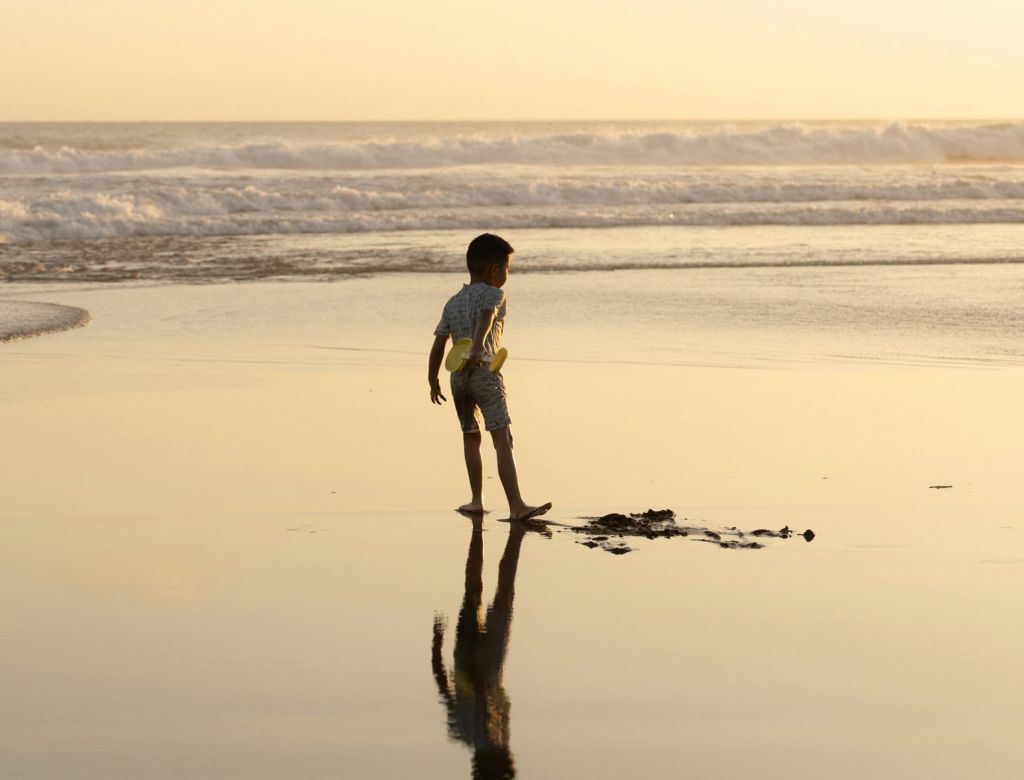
112	217
784	144
202	202
101	207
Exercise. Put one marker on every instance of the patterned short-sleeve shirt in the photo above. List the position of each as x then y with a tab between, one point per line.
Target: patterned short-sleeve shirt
460	314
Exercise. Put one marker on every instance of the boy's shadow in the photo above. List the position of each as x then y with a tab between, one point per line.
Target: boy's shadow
473	695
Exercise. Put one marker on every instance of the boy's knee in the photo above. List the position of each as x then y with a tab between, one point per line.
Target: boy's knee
502	438
471	438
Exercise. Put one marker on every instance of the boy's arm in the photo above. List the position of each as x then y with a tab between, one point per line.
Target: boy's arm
483	327
434	366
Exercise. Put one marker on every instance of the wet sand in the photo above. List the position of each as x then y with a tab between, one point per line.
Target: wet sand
228	528
24	319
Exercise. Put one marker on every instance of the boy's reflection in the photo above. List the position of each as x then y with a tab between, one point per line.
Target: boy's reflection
477	705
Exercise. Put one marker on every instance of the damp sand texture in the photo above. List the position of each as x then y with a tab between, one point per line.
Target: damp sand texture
228	517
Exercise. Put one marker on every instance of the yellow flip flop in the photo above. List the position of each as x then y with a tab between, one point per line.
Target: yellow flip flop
498	360
458	356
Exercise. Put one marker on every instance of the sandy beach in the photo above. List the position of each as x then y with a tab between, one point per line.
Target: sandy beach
757	270
229	526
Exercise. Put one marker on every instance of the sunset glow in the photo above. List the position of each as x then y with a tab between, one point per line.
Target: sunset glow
454	59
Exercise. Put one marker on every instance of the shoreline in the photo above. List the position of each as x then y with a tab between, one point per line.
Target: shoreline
324	256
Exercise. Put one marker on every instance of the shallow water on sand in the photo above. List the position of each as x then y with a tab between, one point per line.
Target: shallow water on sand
300	645
228	533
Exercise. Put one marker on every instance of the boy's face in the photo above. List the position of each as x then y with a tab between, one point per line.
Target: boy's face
498	274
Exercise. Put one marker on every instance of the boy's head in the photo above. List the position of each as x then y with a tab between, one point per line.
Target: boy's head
487	259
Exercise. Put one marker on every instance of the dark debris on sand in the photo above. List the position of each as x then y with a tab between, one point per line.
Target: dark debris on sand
609	532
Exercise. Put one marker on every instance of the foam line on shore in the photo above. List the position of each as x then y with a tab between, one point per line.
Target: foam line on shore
23	319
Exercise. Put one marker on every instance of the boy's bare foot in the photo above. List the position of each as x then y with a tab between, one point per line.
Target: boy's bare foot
527	512
472	508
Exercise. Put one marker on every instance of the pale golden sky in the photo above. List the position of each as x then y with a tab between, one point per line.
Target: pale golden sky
532	59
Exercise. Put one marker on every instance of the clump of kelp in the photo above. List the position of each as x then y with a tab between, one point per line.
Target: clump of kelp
610	532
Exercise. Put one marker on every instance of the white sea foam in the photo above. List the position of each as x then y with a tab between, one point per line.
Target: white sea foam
21	319
102	206
125	201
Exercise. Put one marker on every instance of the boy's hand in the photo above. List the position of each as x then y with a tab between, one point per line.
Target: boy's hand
433	366
436	396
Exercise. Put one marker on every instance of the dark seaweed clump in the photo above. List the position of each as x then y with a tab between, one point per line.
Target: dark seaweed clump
783	533
606	531
610	531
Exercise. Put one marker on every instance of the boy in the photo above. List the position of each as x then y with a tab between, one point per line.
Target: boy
477	311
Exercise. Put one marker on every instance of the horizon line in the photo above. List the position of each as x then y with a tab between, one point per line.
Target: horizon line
516	121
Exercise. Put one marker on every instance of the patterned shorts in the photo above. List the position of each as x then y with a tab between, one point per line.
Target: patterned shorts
475	389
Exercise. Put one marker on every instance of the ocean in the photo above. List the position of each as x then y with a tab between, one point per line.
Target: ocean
224	202
910	233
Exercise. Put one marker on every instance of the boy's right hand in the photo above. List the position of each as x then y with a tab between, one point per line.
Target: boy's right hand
436	396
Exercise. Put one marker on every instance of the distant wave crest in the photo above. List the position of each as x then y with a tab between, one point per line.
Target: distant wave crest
783	144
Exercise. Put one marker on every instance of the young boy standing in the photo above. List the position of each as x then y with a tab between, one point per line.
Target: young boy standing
477	311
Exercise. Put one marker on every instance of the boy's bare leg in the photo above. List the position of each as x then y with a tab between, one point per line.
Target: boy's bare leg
475	471
518	509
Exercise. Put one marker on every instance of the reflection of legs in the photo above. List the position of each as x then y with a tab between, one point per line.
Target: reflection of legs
475	471
492	757
518	509
499	616
467	632
475	565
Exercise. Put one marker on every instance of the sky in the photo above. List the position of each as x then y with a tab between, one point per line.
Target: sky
533	59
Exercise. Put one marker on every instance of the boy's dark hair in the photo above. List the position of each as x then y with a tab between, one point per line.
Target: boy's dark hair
485	250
